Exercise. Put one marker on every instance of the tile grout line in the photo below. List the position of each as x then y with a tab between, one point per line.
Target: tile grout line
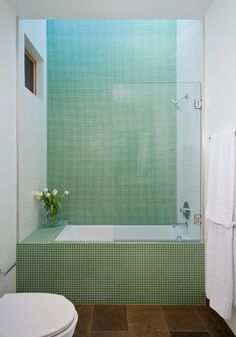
163	314
127	318
91	319
195	309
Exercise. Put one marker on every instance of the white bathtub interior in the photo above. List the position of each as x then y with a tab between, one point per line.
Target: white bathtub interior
179	232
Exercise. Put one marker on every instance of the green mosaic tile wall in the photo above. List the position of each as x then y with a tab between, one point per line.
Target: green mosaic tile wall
45	235
111	125
114	272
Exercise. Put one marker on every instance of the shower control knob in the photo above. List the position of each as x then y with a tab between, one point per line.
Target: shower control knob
185	210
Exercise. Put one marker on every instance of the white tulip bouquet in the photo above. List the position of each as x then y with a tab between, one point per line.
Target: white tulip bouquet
51	203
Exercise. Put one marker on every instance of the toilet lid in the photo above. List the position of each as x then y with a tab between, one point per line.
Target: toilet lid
34	315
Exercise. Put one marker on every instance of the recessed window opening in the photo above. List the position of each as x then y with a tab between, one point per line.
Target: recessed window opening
34	69
30	72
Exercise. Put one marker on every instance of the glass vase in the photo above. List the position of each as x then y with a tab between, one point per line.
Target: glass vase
52	217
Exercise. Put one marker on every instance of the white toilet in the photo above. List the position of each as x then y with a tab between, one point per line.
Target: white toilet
36	315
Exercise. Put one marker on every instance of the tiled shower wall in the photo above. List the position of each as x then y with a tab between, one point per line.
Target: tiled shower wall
111	125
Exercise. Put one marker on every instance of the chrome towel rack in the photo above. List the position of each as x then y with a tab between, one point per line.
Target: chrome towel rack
4	273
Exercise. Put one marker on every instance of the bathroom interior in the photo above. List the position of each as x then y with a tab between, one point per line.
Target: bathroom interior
118	168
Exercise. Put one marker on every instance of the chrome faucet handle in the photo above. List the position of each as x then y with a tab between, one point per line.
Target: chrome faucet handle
185	210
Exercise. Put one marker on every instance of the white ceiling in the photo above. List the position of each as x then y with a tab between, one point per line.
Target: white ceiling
111	9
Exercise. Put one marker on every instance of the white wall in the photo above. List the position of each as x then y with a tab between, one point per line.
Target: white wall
221	74
220	66
32	116
189	79
8	172
111	9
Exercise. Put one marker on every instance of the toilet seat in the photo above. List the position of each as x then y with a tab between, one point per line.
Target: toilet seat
35	315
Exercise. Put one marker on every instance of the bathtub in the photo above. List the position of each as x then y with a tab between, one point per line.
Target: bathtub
114	264
176	232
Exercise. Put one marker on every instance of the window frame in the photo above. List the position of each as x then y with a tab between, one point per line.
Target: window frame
34	62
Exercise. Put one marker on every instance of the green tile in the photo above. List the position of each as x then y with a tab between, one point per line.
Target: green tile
111	127
45	234
140	273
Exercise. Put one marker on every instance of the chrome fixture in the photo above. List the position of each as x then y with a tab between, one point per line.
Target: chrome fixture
185	210
176	102
179	238
197	219
180	224
198	103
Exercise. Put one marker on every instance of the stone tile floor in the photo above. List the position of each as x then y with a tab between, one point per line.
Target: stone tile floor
149	321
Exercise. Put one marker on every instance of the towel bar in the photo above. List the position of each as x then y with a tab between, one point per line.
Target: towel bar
209	138
4	273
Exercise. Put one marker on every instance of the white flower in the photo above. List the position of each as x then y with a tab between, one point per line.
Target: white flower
47	195
45	190
66	192
38	195
55	192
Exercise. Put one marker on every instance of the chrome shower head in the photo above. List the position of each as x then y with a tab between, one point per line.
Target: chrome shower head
176	102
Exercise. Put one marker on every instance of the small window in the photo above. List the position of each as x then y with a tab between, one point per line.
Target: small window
30	72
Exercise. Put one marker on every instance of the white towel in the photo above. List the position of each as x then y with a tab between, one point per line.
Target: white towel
219	268
234	264
219	223
221	178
